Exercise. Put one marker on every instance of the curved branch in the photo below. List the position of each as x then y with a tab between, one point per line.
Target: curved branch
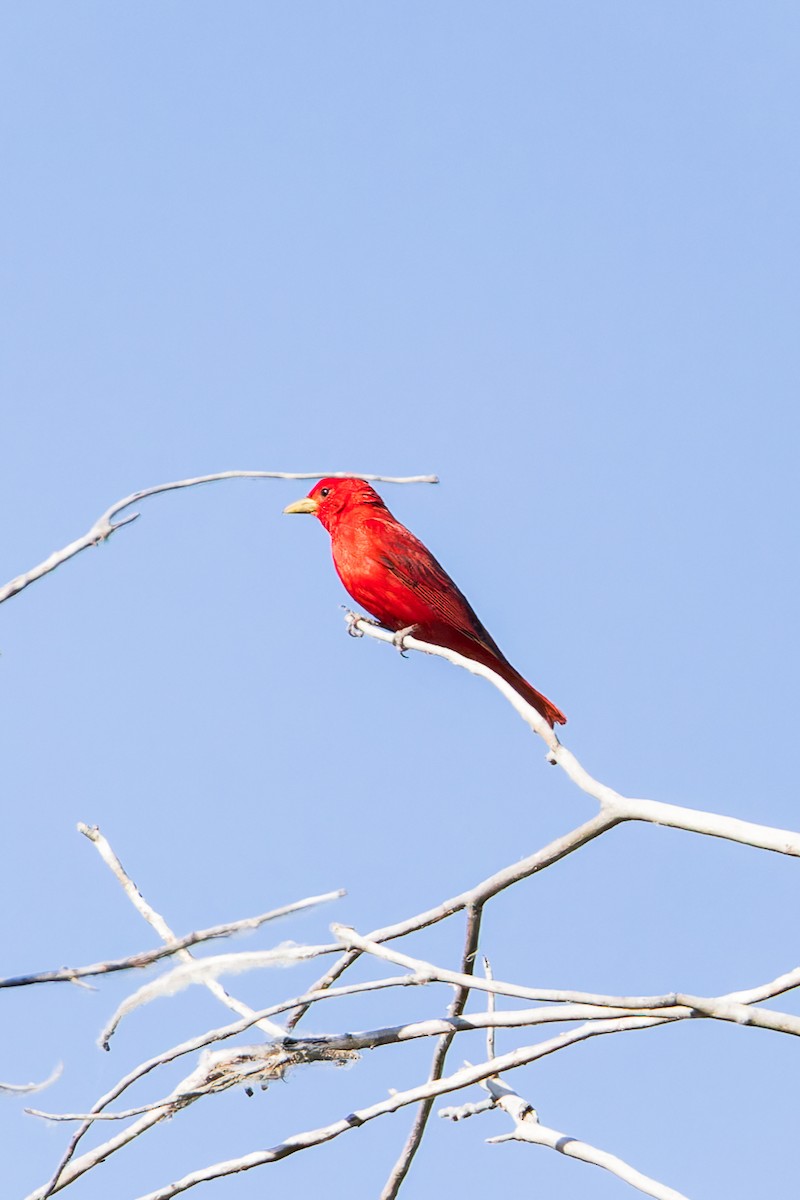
105	525
625	808
146	957
731	1006
528	1129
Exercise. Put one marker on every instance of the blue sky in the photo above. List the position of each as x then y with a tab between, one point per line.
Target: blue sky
547	251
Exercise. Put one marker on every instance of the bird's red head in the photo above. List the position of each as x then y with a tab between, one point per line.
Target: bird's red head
331	498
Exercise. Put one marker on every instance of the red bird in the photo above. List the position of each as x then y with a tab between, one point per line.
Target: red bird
390	573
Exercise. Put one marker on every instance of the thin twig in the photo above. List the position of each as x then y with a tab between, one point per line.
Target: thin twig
161	927
491	1007
146	957
731	1006
436	974
124	1115
528	1129
414	1139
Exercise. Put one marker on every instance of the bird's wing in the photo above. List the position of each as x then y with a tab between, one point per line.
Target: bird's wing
413	565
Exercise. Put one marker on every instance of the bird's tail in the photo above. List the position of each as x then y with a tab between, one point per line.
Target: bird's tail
548	710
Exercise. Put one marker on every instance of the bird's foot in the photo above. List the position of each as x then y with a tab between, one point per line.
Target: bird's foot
399	639
353	619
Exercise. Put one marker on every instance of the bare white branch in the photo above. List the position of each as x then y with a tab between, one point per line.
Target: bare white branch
124	1115
145	957
161	927
402	1166
736	1007
528	1129
105	525
460	1112
68	1172
765	991
491	1007
610	814
474	898
747	833
477	895
764	837
547	1015
435	974
103	848
358	626
519	1018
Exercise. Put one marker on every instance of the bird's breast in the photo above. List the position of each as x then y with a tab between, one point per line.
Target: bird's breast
362	567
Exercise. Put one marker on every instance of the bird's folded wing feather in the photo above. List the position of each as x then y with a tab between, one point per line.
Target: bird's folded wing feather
414	566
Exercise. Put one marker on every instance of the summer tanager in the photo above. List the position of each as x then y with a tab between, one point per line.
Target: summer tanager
389	571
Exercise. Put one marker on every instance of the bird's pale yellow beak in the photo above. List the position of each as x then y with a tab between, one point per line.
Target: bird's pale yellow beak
306	505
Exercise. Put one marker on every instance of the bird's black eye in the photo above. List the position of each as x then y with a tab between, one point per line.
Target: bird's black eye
325	492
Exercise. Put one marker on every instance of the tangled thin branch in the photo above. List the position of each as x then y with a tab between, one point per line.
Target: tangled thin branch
283	1049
